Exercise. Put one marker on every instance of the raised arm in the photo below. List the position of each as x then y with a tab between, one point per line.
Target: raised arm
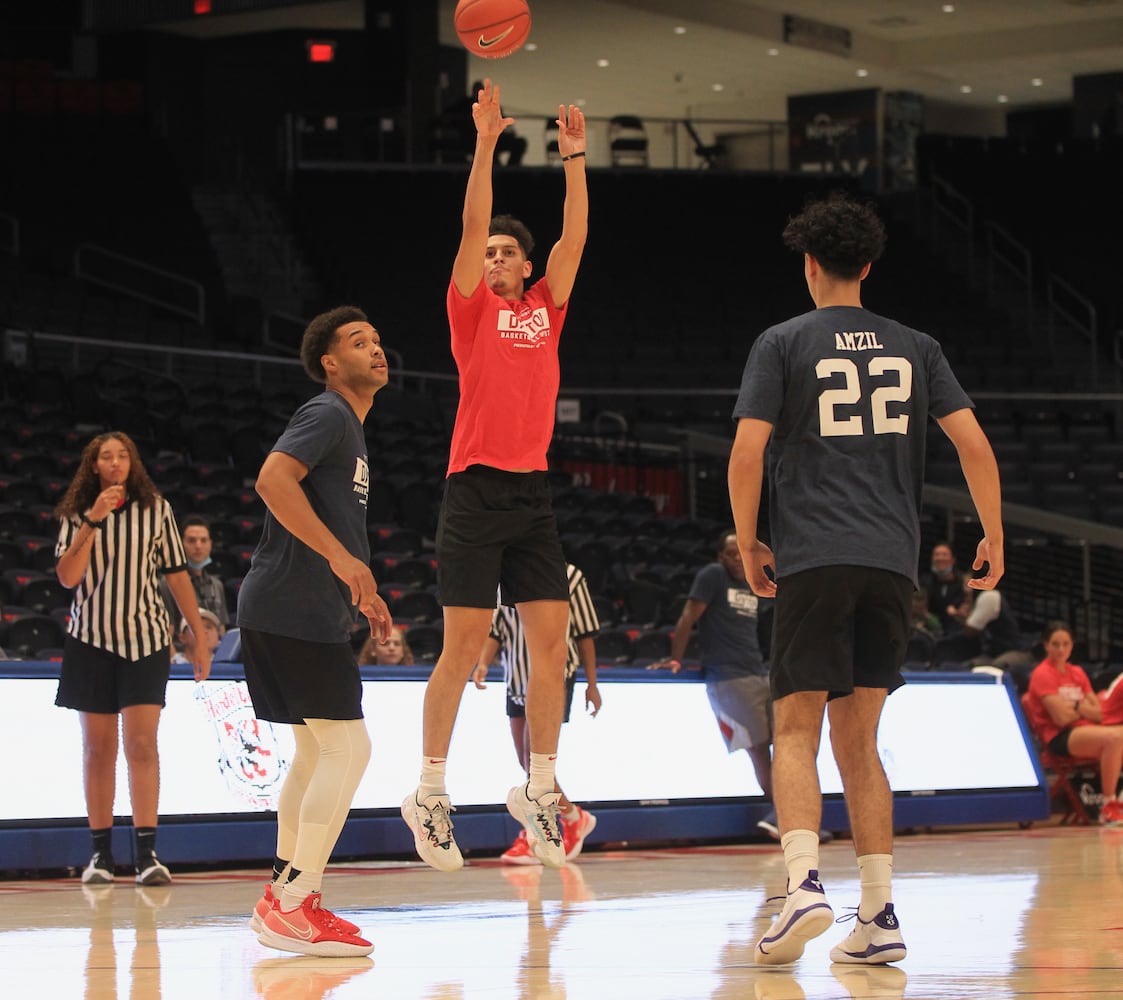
565	257
468	267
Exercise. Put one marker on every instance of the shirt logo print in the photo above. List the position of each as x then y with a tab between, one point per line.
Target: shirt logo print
522	326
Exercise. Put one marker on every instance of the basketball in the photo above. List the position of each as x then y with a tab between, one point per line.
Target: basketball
492	29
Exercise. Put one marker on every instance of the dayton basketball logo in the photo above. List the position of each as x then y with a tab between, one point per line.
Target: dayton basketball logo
523	326
249	757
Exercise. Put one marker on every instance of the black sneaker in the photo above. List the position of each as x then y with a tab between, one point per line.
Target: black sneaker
99	871
149	871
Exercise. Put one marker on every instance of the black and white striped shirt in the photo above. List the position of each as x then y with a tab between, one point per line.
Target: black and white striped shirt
507	630
117	605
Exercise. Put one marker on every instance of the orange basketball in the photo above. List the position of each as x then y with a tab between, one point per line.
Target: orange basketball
492	28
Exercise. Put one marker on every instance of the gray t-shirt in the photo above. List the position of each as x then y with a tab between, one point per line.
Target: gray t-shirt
727	629
290	590
848	394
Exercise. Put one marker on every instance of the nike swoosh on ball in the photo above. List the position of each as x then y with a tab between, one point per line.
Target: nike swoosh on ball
487	42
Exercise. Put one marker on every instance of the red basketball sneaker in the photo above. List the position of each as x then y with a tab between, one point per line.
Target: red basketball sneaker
268	902
574	831
309	929
1112	813
520	852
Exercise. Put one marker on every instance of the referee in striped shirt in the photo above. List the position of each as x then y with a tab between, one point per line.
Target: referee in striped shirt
507	639
117	534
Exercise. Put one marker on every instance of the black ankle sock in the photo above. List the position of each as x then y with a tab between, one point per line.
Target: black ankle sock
279	865
293	872
145	842
101	841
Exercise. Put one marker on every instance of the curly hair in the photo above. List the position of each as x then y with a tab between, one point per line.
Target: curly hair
508	225
841	233
320	333
85	486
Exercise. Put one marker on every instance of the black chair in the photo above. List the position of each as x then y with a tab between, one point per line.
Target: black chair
11	555
651	645
418	506
918	653
552	153
426	640
594	558
20	491
415	606
607	612
627	141
38	552
415	571
16	521
44	594
643	603
28	634
951	652
381	502
613	646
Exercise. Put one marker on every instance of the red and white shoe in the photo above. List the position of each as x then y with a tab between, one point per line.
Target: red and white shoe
1111	814
268	902
520	852
574	831
309	929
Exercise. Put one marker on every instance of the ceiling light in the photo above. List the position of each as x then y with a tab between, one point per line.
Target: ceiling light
531	47
1037	81
1003	99
965	89
680	30
948	8
717	86
602	63
773	52
863	72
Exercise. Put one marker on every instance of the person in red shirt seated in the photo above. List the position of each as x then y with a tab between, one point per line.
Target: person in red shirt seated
1068	716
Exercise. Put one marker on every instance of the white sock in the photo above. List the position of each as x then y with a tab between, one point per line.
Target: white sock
801	854
294	893
432	777
876	874
542	767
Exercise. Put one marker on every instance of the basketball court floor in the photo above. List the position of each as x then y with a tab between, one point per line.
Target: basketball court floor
989	913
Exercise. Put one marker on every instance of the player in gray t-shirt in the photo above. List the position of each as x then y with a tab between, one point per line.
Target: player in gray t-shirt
840	397
309	580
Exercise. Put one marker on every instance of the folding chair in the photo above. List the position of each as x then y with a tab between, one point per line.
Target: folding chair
1064	771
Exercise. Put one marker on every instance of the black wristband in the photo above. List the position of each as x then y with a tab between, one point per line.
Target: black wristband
572	156
93	524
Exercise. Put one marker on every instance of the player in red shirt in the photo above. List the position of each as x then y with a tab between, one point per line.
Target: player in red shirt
497	525
1067	715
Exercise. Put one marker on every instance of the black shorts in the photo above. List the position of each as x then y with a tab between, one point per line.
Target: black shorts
1059	744
96	680
291	680
517	710
497	528
840	627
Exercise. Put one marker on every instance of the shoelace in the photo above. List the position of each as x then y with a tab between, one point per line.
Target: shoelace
438	823
549	820
851	914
